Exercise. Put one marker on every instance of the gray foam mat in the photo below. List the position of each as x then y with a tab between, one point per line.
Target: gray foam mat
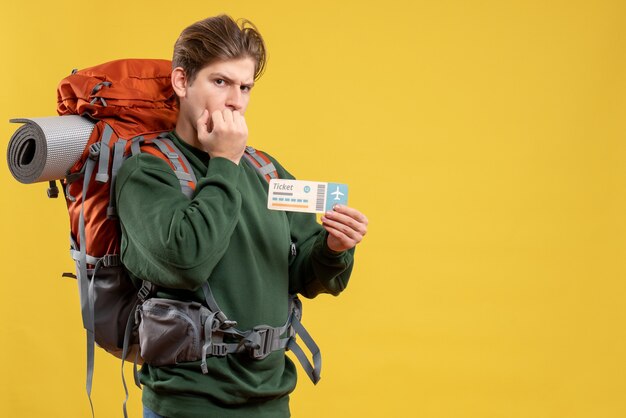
44	149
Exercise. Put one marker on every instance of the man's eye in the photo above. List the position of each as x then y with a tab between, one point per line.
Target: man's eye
220	82
246	89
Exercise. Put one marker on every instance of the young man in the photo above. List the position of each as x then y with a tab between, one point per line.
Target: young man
224	235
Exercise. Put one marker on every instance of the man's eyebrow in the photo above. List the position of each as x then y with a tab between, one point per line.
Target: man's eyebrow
230	80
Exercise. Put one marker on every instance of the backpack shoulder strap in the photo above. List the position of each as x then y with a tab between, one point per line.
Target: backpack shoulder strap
261	163
165	149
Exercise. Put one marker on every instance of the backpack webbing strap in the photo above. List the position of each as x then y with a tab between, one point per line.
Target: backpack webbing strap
213	306
135	145
144	292
89	259
211	324
313	371
261	163
182	168
103	166
258	342
262	340
118	159
127	334
84	284
109	260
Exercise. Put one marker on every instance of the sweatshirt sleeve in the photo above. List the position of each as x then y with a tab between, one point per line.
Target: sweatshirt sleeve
314	268
167	238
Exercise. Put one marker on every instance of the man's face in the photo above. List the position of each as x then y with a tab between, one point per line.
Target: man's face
218	86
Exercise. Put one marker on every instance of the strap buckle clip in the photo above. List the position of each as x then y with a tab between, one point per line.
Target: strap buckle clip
111	260
94	150
219	350
145	290
261	344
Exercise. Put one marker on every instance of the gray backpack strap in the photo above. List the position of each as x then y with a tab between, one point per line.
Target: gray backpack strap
84	283
179	161
98	152
313	371
213	306
211	325
103	166
135	146
142	295
260	341
125	350
89	259
263	167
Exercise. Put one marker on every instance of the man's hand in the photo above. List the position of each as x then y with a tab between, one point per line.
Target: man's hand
224	134
346	227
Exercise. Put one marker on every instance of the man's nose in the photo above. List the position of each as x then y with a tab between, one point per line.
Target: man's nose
234	100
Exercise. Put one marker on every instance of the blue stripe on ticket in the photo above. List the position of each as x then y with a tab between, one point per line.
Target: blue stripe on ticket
336	194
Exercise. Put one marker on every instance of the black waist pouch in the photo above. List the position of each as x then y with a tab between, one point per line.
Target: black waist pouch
171	331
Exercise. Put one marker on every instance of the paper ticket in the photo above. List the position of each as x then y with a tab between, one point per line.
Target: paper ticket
305	196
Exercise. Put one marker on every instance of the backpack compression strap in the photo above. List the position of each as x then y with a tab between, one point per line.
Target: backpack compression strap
84	283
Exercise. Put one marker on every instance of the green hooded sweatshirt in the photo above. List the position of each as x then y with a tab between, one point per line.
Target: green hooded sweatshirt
224	235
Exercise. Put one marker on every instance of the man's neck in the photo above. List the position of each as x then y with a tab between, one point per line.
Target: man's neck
188	133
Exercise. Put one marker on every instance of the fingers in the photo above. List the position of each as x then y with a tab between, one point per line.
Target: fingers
337	240
201	123
347	220
341	228
346	227
223	119
351	212
218	121
239	120
228	116
225	135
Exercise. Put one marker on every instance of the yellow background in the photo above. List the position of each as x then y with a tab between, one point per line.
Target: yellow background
483	139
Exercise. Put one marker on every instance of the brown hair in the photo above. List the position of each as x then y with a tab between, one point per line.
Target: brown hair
218	38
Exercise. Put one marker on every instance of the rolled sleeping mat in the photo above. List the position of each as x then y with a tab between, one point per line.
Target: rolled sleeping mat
44	149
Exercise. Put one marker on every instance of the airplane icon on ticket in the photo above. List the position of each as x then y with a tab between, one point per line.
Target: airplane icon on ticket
337	194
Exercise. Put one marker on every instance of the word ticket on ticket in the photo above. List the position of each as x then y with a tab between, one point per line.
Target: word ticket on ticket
305	196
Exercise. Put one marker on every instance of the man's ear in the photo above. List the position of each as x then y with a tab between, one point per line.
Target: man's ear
179	82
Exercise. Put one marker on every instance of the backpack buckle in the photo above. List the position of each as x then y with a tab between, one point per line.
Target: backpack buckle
111	260
94	150
219	350
145	290
263	341
227	323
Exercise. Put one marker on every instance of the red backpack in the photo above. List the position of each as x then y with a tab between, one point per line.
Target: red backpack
132	105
